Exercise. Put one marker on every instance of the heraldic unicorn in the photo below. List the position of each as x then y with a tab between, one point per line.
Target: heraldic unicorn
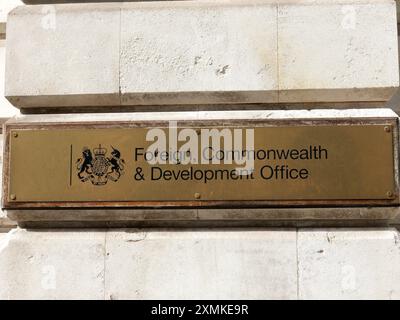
98	168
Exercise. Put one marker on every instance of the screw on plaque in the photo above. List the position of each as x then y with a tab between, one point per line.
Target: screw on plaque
15	134
389	194
387	129
13	197
197	195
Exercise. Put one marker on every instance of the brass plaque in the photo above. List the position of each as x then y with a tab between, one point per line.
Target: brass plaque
110	165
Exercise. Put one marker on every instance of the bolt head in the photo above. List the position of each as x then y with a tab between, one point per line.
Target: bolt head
15	134
389	194
197	195
13	197
387	129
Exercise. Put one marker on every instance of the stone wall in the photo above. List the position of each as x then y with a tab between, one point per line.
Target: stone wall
6	110
211	53
202	263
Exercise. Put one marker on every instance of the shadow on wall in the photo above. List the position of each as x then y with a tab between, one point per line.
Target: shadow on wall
394	102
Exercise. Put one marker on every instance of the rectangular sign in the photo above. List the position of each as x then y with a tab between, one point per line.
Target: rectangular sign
205	163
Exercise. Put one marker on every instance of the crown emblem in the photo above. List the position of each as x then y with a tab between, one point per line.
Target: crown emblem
100	151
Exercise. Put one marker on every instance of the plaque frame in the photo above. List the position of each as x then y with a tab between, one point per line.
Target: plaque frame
393	200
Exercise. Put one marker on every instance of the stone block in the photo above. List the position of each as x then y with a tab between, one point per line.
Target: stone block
188	53
349	264
63	55
200	264
5	7
202	53
342	50
6	108
52	265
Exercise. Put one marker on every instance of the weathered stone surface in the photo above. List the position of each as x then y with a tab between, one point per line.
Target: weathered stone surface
6	108
213	52
349	49
349	264
347	216
5	7
189	52
65	55
207	115
187	264
200	264
148	264
52	265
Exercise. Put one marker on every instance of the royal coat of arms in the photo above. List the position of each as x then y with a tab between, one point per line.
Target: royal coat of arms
97	168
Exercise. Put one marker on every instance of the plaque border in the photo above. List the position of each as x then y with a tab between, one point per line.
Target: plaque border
8	127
